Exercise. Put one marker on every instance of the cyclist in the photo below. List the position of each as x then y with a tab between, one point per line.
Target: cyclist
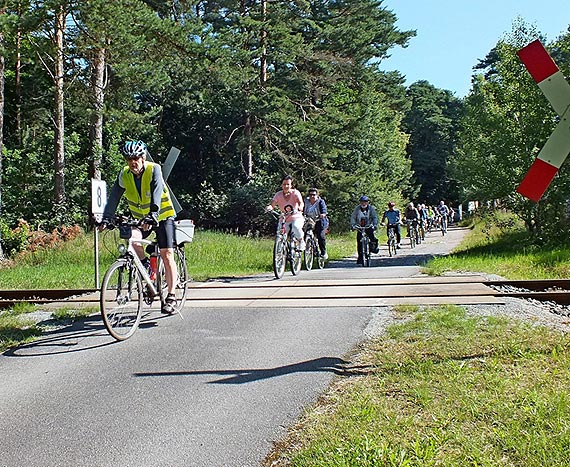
365	214
424	216
442	209
290	202
143	186
392	215
412	217
316	209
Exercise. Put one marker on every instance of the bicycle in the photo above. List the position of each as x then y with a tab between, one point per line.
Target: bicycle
413	232
392	243
422	229
443	225
312	249
127	283
285	249
364	244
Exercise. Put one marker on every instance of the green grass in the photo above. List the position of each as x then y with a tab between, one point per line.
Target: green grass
508	252
210	255
444	389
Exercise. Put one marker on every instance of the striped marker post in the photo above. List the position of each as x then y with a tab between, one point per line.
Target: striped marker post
551	82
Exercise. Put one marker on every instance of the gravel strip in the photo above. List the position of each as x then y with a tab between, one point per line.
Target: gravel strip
535	312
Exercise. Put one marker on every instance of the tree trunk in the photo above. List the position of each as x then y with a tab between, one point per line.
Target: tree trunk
18	79
96	125
59	151
1	128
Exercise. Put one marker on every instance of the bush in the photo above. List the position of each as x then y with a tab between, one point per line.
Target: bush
16	239
22	239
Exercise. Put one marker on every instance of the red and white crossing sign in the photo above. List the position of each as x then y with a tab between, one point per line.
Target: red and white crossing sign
551	82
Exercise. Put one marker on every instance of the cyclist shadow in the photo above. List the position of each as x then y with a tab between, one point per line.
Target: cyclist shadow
78	335
60	337
382	259
334	365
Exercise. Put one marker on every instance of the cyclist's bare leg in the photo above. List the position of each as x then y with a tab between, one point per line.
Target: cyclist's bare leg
136	234
167	255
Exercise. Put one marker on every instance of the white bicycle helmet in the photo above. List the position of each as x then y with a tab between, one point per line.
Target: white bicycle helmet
134	149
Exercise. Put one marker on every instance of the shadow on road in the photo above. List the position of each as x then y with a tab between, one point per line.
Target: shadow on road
77	336
335	365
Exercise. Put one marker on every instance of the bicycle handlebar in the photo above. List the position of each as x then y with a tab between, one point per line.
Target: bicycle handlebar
117	221
361	228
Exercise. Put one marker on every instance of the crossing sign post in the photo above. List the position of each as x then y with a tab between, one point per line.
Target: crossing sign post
551	82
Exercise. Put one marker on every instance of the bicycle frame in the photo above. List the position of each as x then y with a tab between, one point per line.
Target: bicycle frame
138	263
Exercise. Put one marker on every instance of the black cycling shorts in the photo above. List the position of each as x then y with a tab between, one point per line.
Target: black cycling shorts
165	233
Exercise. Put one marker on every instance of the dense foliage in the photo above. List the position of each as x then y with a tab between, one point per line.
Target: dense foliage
247	90
251	90
507	121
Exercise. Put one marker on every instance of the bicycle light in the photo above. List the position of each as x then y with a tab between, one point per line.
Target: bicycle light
122	249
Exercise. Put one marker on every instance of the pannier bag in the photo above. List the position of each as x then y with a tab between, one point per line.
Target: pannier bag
184	231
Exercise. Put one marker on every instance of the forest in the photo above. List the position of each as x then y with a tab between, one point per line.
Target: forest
249	91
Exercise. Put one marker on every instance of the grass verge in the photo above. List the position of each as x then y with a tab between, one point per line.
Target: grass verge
444	389
498	244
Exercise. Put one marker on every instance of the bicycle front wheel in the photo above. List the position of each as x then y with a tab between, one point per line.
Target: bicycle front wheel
309	253
121	300
365	251
391	244
279	257
296	260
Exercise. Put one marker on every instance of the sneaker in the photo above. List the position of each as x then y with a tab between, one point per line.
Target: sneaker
169	306
325	256
398	246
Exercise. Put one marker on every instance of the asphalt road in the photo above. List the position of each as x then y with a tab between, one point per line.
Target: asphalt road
216	388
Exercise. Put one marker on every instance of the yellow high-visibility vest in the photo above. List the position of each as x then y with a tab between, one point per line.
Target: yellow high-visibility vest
140	204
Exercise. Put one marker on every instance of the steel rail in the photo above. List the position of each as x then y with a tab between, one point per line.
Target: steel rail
556	290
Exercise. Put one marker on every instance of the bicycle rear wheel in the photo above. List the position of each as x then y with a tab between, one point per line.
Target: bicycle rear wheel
181	289
121	300
279	257
309	253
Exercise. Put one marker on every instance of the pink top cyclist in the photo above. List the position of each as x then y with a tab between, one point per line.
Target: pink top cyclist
290	201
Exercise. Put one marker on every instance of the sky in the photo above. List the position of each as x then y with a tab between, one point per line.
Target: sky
453	35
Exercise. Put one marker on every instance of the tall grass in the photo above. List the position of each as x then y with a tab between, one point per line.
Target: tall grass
500	245
212	254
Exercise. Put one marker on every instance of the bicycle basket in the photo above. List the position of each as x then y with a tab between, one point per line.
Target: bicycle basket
125	231
184	231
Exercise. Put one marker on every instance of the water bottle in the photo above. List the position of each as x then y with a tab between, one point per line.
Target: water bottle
153	265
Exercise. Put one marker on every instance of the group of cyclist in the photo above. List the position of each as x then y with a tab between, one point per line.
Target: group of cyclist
364	215
148	198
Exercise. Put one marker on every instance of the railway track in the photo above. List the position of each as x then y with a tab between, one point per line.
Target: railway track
425	290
